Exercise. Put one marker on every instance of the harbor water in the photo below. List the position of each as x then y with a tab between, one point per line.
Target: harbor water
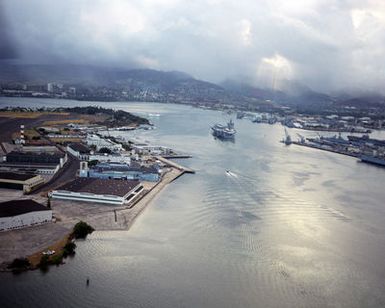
260	224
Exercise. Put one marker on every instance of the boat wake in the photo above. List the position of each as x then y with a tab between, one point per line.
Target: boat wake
232	174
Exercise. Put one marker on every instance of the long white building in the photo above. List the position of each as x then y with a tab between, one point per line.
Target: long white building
119	192
98	142
18	214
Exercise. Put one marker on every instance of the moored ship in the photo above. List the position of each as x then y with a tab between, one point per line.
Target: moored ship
224	131
373	160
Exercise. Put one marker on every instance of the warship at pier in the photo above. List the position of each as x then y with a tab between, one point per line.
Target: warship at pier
224	131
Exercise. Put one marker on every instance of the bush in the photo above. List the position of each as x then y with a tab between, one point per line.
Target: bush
105	150
69	249
81	230
57	259
19	263
93	162
44	262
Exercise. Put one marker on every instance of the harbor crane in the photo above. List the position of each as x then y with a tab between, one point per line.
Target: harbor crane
302	139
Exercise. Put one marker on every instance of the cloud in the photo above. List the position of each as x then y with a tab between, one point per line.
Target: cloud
7	49
326	44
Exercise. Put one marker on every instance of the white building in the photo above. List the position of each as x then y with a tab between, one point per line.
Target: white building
143	148
17	214
98	142
113	158
118	192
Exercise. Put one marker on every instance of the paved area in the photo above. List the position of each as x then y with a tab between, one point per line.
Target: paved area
64	175
24	242
27	241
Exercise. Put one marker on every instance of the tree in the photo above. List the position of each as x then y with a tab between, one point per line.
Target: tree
105	150
69	249
82	229
19	263
44	262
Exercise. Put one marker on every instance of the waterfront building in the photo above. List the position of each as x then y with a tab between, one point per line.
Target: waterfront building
17	214
143	148
113	158
20	181
121	171
118	192
98	143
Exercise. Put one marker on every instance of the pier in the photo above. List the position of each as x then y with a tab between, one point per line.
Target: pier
318	147
175	165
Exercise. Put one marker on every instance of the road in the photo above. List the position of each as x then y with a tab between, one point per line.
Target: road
64	175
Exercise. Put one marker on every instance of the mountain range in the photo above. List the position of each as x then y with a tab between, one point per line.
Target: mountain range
163	85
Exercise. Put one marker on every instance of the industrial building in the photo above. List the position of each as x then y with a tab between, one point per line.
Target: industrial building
17	214
121	171
37	157
99	143
143	148
21	181
113	158
34	161
79	150
118	192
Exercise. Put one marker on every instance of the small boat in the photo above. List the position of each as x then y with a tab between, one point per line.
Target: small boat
49	252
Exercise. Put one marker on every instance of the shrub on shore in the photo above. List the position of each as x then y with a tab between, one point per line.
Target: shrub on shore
69	249
81	230
44	262
57	259
19	264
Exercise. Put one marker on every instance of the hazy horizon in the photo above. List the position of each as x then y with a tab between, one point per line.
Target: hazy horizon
326	45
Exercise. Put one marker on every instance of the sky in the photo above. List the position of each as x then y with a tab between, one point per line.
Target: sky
328	45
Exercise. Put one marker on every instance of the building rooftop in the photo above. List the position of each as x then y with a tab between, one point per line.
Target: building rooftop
100	186
18	207
16	176
56	155
79	147
123	167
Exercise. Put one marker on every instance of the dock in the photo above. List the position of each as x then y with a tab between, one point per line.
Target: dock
175	165
314	146
176	156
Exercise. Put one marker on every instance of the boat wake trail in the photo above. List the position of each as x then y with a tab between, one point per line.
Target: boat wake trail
232	174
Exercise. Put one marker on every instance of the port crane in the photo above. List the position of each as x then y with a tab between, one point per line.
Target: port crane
287	140
302	139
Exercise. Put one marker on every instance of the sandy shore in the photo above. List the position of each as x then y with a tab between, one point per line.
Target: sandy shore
32	241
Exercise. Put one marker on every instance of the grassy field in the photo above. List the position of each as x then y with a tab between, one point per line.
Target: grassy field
29	115
65	140
63	122
28	133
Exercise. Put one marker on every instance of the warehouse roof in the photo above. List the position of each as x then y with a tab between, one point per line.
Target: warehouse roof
16	176
18	207
81	148
100	186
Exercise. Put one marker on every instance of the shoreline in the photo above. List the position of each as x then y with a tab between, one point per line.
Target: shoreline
28	242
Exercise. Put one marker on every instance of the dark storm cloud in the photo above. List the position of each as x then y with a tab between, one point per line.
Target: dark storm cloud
326	44
7	48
